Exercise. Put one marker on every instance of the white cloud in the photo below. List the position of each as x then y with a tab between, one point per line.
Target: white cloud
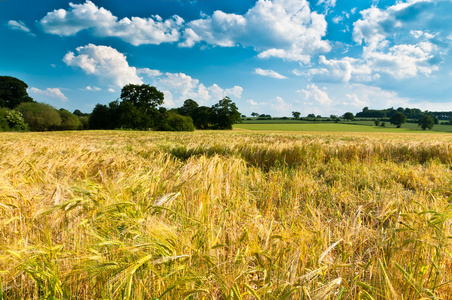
342	70
103	23
149	72
104	62
49	92
93	88
19	25
252	102
403	61
269	73
327	3
398	40
284	29
315	96
112	67
183	86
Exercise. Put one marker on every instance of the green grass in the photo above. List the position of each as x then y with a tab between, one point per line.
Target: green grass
356	126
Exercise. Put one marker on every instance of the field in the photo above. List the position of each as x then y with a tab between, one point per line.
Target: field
328	126
225	215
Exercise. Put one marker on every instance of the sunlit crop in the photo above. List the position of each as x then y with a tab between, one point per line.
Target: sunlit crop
225	215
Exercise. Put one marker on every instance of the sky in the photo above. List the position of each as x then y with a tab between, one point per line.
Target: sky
269	56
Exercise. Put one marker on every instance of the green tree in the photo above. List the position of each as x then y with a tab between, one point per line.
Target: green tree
11	120
13	92
398	119
426	122
254	114
224	114
100	117
69	121
180	123
201	119
348	116
40	116
296	114
142	96
189	108
377	122
311	115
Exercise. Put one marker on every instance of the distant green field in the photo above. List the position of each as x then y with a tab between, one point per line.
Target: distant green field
359	126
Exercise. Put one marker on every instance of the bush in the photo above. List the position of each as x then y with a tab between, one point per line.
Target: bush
69	121
180	123
40	116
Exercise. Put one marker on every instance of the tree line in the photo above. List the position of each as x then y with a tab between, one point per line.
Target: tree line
139	108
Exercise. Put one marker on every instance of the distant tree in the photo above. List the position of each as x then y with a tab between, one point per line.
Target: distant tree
426	122
398	119
69	121
40	116
318	116
311	116
296	114
100	118
85	122
254	114
224	114
13	92
201	118
189	108
383	124
377	122
78	113
142	96
348	116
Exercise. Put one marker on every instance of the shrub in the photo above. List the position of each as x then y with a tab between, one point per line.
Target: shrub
40	116
180	123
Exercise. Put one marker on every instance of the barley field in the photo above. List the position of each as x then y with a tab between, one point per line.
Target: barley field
225	215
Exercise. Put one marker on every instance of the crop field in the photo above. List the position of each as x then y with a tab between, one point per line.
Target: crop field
353	126
225	215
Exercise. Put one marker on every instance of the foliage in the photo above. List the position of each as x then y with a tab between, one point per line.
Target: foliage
426	122
224	114
209	215
40	116
398	119
13	91
377	122
348	116
180	123
11	120
296	114
69	121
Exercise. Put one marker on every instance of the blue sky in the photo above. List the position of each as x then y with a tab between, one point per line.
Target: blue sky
269	56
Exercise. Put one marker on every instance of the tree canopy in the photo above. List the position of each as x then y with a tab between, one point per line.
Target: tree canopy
426	122
398	119
13	91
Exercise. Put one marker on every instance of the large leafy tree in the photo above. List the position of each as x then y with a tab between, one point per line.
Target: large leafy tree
13	91
40	116
398	119
189	108
426	122
225	113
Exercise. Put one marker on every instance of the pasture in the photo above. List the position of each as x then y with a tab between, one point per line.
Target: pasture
225	215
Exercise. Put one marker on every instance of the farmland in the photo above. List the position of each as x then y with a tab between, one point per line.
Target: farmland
225	215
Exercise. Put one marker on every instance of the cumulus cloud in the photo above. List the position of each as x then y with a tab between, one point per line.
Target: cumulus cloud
19	25
404	40
269	73
285	29
135	30
104	62
182	86
111	66
342	70
49	92
315	96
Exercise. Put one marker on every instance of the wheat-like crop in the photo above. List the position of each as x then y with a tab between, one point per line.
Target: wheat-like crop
225	215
